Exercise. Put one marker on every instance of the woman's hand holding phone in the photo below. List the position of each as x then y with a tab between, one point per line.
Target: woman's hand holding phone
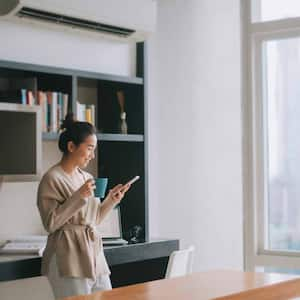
118	192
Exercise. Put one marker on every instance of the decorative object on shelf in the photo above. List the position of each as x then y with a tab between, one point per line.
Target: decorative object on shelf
123	124
135	235
123	129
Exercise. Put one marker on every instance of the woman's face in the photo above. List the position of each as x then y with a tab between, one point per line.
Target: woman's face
83	153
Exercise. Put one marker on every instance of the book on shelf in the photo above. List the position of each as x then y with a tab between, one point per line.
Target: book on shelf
30	98
52	105
42	101
85	112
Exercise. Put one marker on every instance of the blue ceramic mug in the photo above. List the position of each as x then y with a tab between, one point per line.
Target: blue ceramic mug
101	185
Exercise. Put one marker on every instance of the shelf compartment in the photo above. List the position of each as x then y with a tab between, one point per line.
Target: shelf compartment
103	97
109	109
119	162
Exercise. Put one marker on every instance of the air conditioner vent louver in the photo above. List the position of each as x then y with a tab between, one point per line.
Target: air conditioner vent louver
73	22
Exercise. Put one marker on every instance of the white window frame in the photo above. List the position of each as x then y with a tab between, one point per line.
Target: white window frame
255	190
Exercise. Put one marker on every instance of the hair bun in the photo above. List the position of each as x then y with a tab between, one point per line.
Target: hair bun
68	121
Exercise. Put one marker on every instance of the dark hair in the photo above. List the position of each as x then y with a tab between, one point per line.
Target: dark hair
74	131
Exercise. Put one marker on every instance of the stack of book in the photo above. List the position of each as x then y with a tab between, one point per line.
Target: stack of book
86	113
54	109
54	105
25	91
25	245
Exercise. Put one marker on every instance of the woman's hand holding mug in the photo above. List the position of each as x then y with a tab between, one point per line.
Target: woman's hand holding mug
87	189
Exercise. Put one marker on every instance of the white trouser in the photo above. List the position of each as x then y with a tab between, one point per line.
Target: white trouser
71	286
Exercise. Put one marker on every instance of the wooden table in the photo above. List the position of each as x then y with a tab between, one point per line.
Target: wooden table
235	285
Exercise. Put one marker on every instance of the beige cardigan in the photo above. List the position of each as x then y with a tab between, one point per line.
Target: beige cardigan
70	221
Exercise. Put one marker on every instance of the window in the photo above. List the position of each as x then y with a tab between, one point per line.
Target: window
281	61
272	208
267	10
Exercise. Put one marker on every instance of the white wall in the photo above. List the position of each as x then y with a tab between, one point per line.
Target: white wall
195	129
194	122
32	43
41	45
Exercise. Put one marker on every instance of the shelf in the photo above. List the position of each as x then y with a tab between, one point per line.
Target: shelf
71	72
120	137
50	136
122	156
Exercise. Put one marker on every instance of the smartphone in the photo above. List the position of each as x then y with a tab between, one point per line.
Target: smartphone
134	179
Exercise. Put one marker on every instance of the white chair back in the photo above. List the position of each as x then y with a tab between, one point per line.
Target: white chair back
180	262
35	288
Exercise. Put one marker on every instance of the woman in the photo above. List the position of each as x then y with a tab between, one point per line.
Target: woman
74	259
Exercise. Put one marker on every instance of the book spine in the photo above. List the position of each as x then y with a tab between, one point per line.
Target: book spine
60	109
65	105
93	114
45	112
30	99
54	112
88	114
80	112
49	108
23	96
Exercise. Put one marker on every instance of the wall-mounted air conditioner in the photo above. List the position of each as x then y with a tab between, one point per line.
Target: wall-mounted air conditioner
124	19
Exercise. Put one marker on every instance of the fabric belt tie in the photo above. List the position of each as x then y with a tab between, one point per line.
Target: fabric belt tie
90	230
